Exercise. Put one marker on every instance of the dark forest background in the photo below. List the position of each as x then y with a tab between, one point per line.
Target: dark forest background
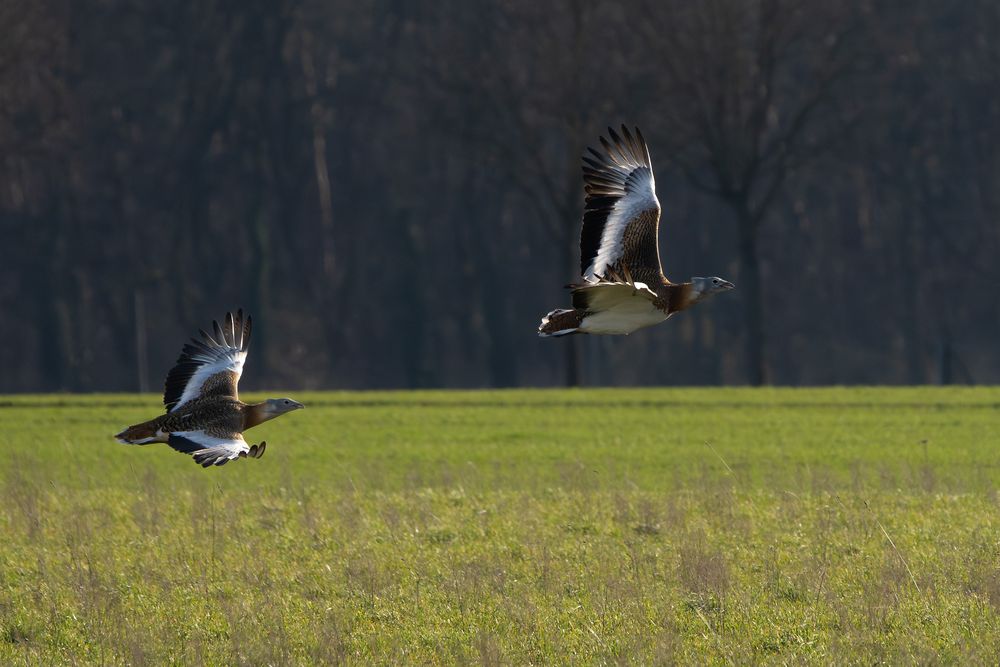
393	188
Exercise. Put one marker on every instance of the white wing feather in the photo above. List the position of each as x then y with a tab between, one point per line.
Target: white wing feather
635	202
606	295
618	308
211	450
223	359
203	359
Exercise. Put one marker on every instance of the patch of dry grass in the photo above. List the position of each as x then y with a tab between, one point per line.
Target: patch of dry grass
510	528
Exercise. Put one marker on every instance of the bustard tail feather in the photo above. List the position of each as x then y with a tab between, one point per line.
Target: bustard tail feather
140	434
560	322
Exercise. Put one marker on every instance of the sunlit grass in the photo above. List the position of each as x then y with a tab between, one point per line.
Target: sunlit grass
683	525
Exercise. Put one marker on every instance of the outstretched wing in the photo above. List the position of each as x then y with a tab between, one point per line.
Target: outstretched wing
211	450
621	216
211	366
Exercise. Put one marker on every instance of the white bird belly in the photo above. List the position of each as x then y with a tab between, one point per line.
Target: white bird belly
623	318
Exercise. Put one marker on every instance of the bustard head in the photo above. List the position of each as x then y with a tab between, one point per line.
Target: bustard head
702	288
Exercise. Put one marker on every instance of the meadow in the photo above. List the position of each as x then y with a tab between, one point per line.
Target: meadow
635	526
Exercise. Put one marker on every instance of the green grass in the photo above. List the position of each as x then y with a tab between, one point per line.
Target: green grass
726	526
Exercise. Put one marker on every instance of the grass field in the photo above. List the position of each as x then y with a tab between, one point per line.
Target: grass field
726	526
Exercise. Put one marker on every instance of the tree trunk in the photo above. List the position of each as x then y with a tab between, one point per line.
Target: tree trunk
945	358
260	283
573	375
752	296
571	249
141	356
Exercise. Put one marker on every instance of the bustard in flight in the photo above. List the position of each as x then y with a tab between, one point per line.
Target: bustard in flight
623	287
205	417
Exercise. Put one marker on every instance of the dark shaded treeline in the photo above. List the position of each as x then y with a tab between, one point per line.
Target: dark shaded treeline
393	188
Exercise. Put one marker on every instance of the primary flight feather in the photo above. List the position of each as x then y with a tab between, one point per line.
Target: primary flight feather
205	417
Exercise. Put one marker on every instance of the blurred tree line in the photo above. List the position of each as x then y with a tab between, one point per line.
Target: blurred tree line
393	188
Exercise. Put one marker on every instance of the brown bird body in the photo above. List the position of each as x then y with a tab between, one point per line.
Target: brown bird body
216	415
205	416
624	287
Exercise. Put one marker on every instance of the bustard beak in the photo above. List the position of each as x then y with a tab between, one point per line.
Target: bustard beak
297	406
727	285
